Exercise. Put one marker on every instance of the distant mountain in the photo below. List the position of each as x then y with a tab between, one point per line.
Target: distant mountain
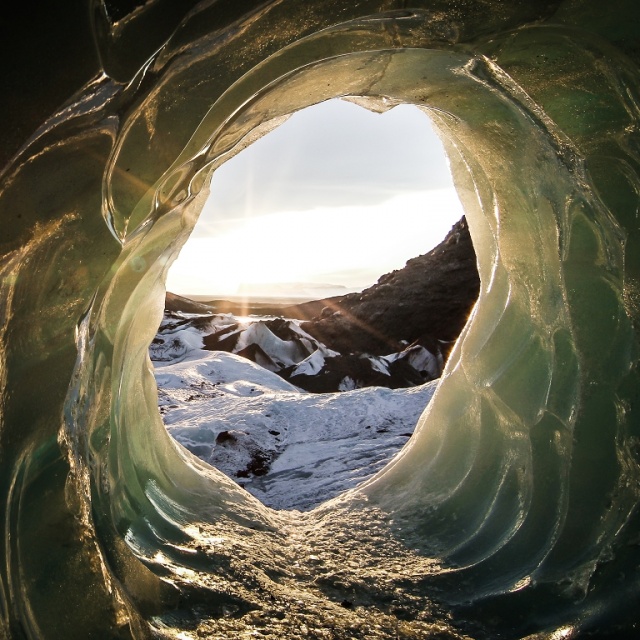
235	306
176	303
432	294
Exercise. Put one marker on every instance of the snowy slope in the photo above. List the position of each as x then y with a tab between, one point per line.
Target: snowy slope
281	346
290	448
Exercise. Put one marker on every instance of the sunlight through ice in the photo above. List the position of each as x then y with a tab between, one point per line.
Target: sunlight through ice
349	246
337	196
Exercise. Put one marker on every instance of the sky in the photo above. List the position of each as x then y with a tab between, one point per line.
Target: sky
326	203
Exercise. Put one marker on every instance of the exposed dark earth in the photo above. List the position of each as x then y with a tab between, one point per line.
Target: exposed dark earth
426	303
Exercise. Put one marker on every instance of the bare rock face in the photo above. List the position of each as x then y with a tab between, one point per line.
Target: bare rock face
427	303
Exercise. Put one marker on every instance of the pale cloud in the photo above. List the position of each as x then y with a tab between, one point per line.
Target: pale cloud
350	246
336	194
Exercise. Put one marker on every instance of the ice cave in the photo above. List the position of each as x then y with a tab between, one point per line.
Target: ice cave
512	513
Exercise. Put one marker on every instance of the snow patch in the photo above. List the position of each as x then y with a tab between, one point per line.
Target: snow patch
289	448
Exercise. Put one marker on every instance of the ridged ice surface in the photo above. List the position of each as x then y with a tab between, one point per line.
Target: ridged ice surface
513	509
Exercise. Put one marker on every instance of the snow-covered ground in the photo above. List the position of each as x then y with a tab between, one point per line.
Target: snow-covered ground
290	448
282	346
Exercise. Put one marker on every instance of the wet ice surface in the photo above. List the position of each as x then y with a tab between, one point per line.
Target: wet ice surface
303	581
289	448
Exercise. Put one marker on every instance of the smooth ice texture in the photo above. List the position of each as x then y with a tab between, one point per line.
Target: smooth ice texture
512	511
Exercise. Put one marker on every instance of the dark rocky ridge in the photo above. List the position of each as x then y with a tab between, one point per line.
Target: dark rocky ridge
427	302
179	304
237	307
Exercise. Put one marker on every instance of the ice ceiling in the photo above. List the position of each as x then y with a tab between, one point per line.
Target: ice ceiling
512	511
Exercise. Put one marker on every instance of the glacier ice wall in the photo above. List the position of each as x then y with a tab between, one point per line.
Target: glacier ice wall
512	511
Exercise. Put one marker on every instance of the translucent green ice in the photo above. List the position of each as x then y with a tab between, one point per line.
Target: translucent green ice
512	511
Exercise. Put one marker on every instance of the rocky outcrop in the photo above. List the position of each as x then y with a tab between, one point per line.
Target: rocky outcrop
427	303
280	346
176	303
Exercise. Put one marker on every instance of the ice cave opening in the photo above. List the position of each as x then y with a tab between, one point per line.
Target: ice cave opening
322	249
513	511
